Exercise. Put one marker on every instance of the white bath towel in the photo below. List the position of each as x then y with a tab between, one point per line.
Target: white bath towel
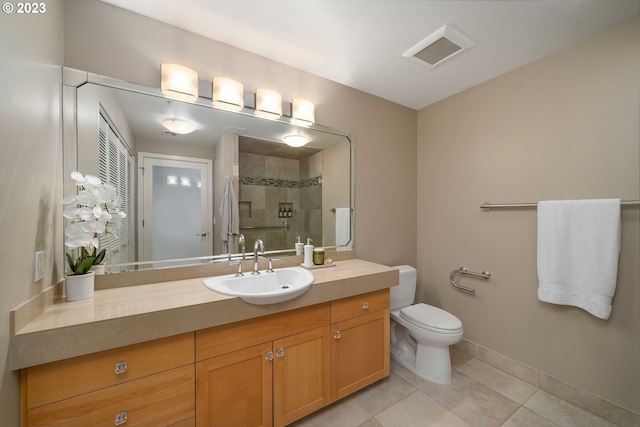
343	227
578	250
230	214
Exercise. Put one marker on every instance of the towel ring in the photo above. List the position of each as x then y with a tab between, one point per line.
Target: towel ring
463	270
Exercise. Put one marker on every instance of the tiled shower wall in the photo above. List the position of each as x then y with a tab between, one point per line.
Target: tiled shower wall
268	183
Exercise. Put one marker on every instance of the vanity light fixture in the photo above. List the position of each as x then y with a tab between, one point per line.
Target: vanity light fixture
179	126
185	182
296	140
268	103
179	82
227	93
302	112
172	180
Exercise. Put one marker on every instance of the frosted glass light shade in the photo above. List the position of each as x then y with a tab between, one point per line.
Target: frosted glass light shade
296	140
303	111
179	82
179	126
268	103
227	93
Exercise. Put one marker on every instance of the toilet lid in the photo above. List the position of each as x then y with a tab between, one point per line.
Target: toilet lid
433	317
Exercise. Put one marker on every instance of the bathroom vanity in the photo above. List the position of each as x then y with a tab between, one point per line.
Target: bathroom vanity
178	354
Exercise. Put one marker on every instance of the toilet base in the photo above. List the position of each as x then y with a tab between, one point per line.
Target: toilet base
432	362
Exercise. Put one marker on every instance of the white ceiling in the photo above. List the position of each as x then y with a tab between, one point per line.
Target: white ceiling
360	43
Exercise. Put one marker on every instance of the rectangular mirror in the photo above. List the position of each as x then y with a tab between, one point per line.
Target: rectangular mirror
173	184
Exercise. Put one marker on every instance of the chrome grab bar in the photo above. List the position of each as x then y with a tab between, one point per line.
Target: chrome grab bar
463	270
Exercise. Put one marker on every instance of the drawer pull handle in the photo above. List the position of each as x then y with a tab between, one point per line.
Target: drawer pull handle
336	335
280	352
121	367
365	305
121	418
268	355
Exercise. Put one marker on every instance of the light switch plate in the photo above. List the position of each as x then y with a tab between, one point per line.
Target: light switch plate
38	266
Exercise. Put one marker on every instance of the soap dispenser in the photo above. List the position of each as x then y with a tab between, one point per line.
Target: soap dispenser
299	246
308	253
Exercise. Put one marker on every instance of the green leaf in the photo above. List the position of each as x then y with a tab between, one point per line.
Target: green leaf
84	266
98	258
72	264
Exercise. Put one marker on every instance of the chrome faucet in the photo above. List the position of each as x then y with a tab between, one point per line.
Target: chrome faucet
257	245
241	243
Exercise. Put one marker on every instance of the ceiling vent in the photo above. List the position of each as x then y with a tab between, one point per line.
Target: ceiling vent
439	46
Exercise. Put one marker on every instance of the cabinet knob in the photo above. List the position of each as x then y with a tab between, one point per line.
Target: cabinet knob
336	335
280	352
121	418
268	355
121	367
365	305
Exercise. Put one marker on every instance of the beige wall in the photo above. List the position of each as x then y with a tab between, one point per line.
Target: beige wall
30	171
107	40
564	127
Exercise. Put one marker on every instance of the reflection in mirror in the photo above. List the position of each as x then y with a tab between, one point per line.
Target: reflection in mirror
173	184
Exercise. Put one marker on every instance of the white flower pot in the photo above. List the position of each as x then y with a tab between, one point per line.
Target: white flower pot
98	269
79	287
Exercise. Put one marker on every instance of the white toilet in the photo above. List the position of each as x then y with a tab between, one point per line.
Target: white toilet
421	334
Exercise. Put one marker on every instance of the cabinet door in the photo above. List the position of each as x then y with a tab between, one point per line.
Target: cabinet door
359	353
234	390
301	375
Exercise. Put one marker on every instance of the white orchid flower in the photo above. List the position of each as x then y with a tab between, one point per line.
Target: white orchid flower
85	213
77	177
103	196
70	212
92	180
86	198
70	199
94	211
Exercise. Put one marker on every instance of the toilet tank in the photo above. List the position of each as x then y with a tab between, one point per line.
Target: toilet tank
404	294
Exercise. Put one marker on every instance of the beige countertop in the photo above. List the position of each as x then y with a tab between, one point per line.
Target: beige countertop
132	314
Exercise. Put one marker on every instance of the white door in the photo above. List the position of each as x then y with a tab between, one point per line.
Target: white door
175	218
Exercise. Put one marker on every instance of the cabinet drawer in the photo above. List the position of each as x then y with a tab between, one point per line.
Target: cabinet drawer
157	400
359	305
71	377
224	339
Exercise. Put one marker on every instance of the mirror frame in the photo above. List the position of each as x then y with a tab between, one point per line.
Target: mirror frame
73	79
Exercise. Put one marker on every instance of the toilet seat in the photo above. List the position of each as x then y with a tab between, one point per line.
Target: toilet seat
431	318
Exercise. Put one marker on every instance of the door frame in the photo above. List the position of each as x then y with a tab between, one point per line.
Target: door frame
140	187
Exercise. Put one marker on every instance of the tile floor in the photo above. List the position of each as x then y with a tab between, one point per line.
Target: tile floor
479	395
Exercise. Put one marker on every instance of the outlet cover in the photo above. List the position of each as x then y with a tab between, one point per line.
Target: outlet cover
38	266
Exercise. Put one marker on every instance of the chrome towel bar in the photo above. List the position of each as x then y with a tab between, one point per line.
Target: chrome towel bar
489	206
463	270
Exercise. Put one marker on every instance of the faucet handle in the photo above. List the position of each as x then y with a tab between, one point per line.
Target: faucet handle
270	268
239	272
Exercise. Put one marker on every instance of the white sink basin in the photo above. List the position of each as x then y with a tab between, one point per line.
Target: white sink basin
266	288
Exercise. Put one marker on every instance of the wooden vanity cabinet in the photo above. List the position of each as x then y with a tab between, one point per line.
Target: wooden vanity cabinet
150	383
360	342
263	372
268	371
